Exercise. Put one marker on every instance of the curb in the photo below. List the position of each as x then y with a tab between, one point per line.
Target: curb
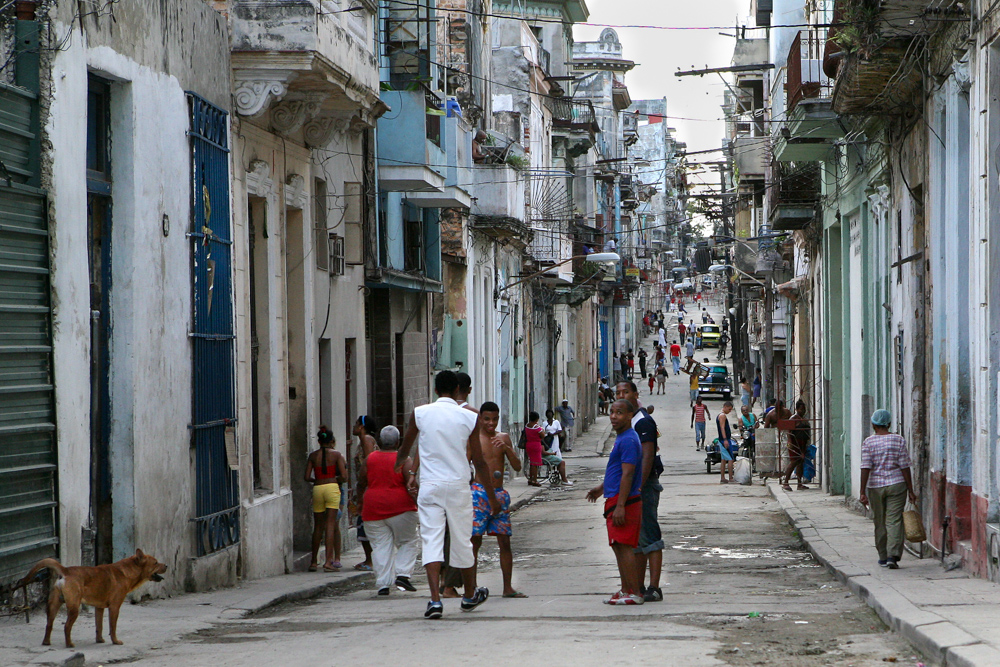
941	642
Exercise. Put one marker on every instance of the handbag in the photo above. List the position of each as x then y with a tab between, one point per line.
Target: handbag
913	525
522	440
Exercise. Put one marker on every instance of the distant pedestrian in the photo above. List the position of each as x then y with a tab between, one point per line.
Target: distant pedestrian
390	514
623	364
745	391
447	436
699	419
568	418
723	342
326	470
689	352
726	443
756	390
631	363
623	502
749	424
660	353
652	381
798	441
642	361
885	484
681	331
533	433
704	315
661	379
675	357
662	334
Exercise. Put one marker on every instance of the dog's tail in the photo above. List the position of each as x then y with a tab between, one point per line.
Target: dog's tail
50	563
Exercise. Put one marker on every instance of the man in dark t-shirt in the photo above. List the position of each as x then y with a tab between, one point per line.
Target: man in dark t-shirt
651	545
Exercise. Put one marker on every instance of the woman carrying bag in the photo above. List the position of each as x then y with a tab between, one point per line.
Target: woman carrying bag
885	485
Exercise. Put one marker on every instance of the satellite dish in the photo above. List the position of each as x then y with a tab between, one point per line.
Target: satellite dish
574	369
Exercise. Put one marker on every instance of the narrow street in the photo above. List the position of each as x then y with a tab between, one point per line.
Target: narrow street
730	553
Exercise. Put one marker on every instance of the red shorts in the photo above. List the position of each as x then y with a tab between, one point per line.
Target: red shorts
627	534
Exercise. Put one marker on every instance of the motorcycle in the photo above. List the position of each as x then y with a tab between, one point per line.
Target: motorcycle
713	455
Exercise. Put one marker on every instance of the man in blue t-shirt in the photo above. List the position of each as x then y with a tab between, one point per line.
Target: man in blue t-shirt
622	502
650	548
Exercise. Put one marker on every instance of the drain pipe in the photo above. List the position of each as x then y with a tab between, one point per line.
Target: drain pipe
944	537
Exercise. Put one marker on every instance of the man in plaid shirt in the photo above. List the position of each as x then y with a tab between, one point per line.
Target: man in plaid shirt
885	484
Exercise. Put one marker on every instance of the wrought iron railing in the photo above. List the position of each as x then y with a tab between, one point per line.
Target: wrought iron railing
573	114
804	74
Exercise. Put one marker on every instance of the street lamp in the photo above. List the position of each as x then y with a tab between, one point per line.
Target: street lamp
599	257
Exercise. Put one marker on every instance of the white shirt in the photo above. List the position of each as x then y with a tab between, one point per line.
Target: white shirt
663	339
554	427
444	432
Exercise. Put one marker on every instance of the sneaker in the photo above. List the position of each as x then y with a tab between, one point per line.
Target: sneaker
653	595
568	483
468	604
403	584
628	600
614	598
383	591
434	610
883	562
893	564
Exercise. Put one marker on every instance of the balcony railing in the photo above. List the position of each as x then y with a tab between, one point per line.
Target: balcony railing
805	77
796	191
574	114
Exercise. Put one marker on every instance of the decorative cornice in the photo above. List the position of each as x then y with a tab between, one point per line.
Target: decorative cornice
320	130
254	91
295	192
259	183
289	115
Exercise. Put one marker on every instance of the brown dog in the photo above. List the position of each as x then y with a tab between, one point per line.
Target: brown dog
102	587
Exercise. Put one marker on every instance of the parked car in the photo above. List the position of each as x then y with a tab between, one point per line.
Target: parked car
707	335
716	382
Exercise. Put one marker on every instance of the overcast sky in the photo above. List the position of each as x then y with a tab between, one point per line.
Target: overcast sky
659	53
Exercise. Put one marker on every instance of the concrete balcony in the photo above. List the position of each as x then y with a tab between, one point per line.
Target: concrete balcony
411	144
315	73
809	132
456	138
750	156
498	203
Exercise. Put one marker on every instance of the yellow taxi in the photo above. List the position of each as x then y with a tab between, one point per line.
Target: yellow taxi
707	335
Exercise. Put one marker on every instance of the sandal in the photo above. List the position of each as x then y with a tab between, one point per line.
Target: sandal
723	481
336	564
515	594
785	487
335	567
312	567
803	487
363	567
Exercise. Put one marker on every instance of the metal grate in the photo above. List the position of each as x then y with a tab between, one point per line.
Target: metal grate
216	478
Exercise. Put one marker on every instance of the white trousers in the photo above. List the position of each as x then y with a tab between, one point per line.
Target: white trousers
450	504
394	547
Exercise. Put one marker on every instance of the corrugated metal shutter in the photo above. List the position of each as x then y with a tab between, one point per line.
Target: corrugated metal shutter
27	414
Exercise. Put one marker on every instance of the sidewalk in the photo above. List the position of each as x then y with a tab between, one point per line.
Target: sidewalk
152	624
952	618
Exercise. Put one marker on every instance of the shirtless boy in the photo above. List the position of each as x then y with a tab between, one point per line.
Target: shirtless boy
497	448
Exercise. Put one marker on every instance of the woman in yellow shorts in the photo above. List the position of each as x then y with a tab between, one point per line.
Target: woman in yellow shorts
326	469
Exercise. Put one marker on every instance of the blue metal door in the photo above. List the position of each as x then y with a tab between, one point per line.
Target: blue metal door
214	410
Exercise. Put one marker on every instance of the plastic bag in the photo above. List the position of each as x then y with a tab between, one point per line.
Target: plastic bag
913	525
742	473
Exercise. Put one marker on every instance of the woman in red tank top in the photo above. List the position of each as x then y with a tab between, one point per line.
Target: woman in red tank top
389	511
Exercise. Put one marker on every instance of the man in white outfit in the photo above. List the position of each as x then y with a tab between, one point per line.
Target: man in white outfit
448	439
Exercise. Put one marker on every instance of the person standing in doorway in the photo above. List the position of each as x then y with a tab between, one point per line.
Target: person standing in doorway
798	440
622	502
448	436
699	419
675	357
365	429
726	444
642	361
885	485
650	549
326	470
568	418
